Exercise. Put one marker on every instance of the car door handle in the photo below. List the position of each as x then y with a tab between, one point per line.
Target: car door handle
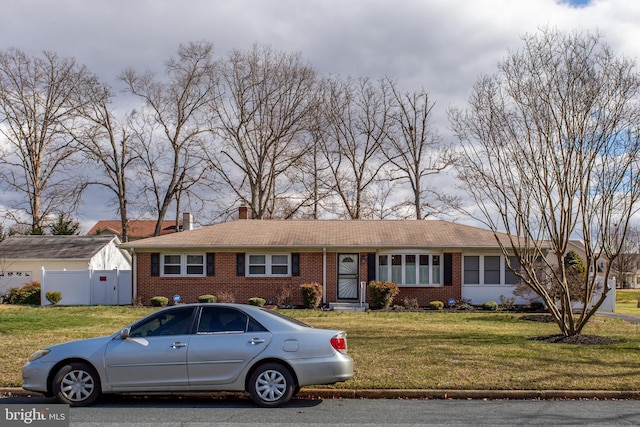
255	341
178	345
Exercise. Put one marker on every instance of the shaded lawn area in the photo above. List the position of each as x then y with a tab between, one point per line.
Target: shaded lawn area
424	350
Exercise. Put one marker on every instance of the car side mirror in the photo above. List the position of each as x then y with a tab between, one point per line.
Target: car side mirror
124	333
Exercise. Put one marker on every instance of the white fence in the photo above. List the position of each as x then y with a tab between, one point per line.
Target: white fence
88	287
479	294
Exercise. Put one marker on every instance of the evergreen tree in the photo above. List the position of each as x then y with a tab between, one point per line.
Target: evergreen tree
64	226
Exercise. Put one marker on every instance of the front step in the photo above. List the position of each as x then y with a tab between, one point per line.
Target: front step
348	306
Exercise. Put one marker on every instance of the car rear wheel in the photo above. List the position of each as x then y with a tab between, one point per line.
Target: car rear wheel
271	385
76	384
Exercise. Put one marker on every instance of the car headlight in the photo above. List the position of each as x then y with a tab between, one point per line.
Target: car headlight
38	354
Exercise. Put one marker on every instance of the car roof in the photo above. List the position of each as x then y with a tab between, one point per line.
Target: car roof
272	321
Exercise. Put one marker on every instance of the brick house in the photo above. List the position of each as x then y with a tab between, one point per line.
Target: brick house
429	260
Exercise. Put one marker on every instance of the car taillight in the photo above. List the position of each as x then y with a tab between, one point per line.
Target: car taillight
339	342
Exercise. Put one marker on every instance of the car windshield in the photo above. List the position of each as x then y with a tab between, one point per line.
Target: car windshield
288	319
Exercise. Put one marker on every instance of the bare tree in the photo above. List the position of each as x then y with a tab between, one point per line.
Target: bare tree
40	98
357	117
551	154
172	127
625	265
416	151
106	139
263	116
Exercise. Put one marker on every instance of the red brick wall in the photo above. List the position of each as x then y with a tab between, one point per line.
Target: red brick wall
243	288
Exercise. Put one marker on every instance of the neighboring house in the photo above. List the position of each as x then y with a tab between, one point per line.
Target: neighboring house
629	278
140	228
429	260
22	258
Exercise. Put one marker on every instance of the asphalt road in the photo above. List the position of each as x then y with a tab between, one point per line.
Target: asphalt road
170	412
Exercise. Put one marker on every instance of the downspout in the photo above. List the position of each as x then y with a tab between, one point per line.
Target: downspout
134	267
324	276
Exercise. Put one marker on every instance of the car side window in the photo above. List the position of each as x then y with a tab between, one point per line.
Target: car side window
254	326
167	322
222	320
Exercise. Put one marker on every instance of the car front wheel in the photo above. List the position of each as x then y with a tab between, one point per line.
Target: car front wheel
76	384
271	385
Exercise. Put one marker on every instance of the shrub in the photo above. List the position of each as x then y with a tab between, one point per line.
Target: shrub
537	305
159	301
489	306
29	294
311	294
284	296
436	305
226	296
207	298
507	302
258	302
410	303
53	297
382	293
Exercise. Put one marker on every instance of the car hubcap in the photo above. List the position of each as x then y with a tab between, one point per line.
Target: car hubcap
77	385
271	385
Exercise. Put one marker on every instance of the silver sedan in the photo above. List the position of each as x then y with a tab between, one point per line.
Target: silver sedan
194	348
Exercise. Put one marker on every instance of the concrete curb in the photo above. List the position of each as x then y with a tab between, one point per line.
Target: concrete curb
334	393
471	394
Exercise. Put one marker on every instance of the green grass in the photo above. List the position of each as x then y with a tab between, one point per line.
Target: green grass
427	350
627	301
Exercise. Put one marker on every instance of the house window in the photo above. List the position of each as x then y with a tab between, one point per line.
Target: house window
491	270
396	269
279	265
435	270
269	265
509	276
257	265
15	274
383	268
172	264
488	270
410	269
183	265
195	264
424	270
471	270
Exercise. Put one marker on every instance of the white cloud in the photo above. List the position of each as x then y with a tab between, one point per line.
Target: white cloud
440	45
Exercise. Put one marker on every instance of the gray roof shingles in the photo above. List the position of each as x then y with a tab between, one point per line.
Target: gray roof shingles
52	247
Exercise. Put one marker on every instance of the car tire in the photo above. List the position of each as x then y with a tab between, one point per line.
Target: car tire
271	385
76	384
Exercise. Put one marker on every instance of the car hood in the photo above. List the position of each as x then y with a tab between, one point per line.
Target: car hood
81	348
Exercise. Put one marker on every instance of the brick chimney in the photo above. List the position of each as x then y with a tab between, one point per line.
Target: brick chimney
243	212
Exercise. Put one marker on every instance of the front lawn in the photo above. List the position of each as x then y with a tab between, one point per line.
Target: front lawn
627	301
426	350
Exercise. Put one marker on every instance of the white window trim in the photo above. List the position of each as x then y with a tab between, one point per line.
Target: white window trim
417	254
183	265
503	269
268	264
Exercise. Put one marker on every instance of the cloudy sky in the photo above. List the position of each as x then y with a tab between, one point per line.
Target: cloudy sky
439	45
